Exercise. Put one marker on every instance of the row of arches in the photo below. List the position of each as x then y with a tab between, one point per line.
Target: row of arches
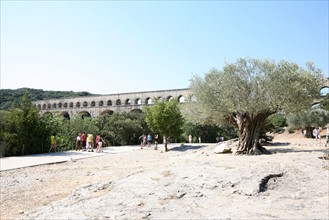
118	102
84	114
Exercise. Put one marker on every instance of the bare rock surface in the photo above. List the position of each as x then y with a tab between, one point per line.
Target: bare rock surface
223	148
188	182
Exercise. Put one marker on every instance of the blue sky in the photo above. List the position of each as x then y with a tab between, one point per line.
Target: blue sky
107	47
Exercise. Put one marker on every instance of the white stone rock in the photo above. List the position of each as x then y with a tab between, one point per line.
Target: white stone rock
222	148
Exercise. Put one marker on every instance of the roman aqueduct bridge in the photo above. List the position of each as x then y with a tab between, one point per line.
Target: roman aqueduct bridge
107	104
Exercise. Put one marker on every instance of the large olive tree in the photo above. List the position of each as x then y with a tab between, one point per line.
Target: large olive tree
247	92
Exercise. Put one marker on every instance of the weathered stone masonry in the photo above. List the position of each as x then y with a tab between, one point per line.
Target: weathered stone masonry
97	105
121	102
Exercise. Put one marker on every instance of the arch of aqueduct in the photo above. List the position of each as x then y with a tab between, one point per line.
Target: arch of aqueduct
107	104
326	84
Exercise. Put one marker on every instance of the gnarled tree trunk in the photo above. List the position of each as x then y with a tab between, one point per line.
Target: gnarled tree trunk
249	127
309	132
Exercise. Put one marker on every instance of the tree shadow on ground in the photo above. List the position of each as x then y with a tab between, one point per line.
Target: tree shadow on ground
291	149
184	148
274	144
294	150
68	153
58	154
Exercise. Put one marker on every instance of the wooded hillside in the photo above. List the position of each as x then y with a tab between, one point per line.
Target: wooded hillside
10	97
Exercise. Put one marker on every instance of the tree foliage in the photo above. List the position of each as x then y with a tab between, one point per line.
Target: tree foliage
248	91
275	123
165	118
308	120
122	128
208	133
68	130
22	131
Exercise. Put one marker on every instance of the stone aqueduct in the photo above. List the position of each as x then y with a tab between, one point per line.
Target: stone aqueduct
326	84
107	104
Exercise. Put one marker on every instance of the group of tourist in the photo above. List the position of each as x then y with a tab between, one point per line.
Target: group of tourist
86	142
147	140
83	142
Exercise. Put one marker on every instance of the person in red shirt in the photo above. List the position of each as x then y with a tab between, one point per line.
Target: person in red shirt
83	141
97	138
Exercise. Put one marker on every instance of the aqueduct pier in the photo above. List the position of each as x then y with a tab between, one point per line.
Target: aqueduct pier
107	104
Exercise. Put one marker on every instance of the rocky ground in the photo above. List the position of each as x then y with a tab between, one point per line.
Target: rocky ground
188	182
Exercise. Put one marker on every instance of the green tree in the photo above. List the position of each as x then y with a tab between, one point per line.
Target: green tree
248	91
8	134
274	124
70	128
208	133
22	130
165	118
308	120
278	121
120	128
30	127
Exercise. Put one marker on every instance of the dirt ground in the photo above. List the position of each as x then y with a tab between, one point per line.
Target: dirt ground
188	182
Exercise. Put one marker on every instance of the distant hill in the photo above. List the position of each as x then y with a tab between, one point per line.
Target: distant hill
10	97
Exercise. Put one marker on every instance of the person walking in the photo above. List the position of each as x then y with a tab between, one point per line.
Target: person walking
144	140
149	140
156	139
53	142
78	142
83	141
141	140
90	142
190	138
97	139
100	145
316	134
